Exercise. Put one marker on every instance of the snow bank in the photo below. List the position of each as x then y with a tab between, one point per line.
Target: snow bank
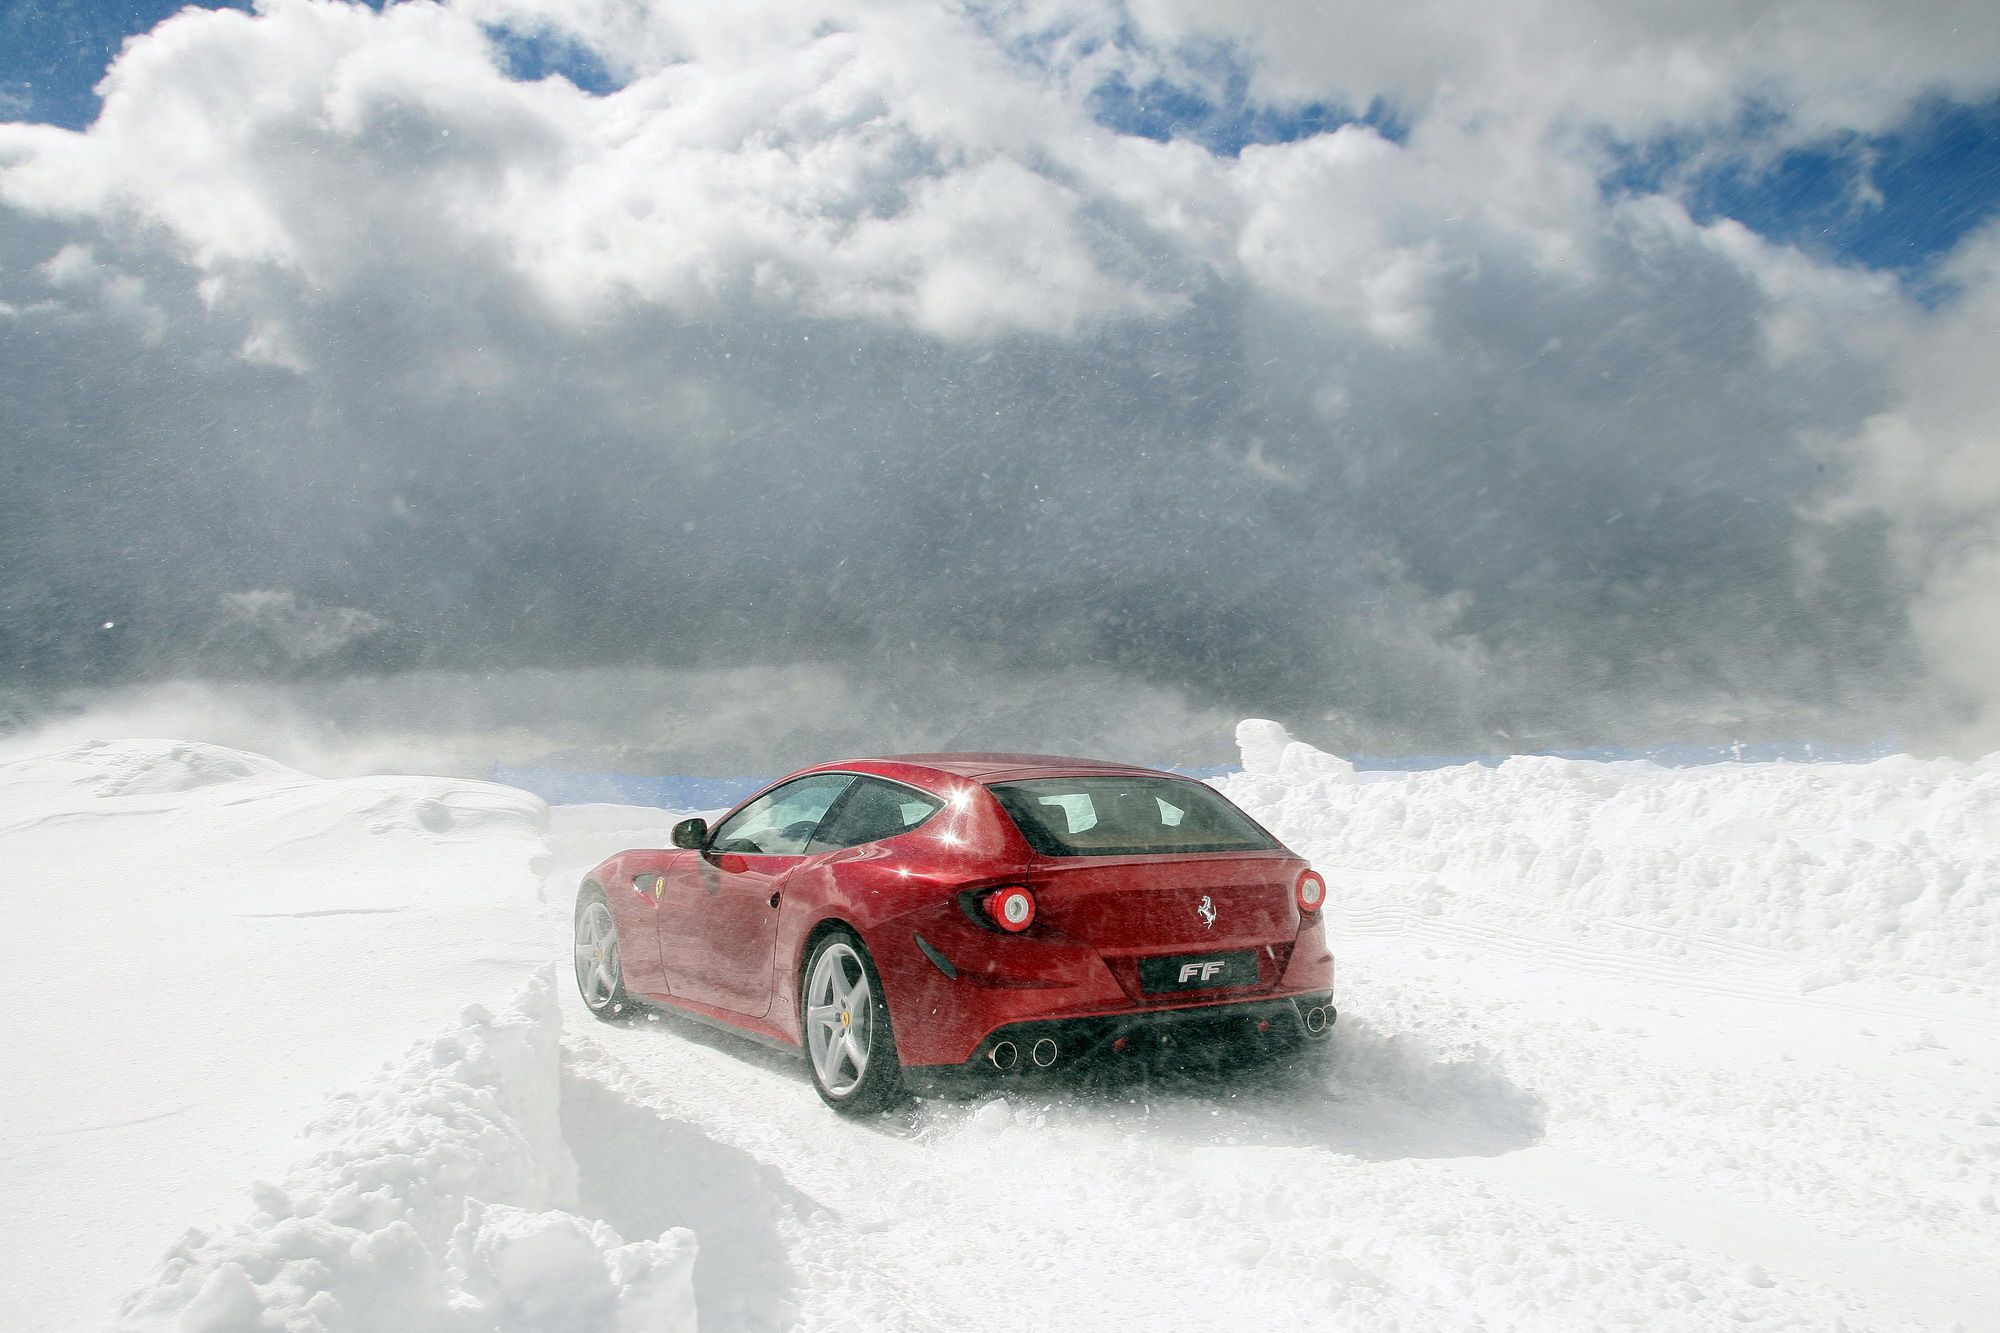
1888	867
133	768
436	1201
217	791
210	942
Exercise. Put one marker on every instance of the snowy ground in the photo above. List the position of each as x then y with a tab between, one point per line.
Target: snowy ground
1619	1047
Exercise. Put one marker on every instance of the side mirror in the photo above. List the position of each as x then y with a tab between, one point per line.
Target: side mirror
691	833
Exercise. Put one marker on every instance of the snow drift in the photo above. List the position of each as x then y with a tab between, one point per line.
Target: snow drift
1889	868
211	942
437	1204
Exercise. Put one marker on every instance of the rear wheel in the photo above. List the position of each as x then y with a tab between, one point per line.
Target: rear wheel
849	1043
599	977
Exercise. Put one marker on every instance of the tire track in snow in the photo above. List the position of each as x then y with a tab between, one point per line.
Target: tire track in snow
1288	1199
668	1131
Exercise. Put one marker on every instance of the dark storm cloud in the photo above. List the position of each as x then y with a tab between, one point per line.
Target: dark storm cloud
1528	542
1416	488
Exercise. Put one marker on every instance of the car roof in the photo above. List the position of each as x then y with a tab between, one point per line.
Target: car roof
989	767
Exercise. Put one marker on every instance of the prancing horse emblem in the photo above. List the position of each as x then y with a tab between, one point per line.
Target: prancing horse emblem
1206	911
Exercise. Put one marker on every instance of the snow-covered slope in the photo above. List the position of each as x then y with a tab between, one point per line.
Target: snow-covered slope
202	945
1619	1047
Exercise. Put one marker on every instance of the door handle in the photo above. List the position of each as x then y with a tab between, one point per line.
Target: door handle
775	897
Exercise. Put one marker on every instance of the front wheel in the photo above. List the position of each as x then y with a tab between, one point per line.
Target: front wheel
849	1042
599	976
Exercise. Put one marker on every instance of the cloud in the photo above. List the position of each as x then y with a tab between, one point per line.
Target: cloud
849	335
75	270
271	623
827	177
1633	69
730	722
1928	466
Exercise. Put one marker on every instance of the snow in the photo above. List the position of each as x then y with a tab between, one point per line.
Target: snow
437	1203
1883	869
1620	1046
206	944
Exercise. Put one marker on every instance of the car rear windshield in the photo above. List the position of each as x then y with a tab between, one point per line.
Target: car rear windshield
1115	816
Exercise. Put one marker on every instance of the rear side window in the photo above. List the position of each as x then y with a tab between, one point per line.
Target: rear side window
1099	816
873	809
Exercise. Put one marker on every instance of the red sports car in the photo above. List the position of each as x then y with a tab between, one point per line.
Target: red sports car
985	911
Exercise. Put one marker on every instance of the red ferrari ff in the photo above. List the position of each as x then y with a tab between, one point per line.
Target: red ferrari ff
987	911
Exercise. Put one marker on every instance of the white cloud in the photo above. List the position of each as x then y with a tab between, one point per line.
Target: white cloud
72	266
75	268
1636	69
1315	230
1930	465
886	162
828	173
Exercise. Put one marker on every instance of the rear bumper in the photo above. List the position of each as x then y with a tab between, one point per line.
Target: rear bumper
1020	1047
949	1008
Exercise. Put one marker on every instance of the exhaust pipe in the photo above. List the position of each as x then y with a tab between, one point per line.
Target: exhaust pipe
1003	1055
1316	1018
1044	1053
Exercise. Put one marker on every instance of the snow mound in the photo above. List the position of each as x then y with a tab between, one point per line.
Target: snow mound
440	807
93	777
438	1202
156	767
1887	867
1269	751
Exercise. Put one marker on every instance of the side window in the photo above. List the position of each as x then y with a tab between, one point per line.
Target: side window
874	809
1072	811
781	821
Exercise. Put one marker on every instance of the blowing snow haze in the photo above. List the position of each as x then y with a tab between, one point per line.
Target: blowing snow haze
1434	376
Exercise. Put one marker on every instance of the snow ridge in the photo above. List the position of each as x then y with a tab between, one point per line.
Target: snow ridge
438	1202
1890	869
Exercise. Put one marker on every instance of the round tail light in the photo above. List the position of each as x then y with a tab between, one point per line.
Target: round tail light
1312	893
1011	909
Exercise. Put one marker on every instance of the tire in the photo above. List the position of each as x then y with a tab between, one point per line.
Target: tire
850	1045
600	976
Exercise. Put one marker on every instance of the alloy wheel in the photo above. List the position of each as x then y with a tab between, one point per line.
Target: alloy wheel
597	956
840	1019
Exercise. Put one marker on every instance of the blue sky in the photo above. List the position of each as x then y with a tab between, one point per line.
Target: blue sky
52	52
1896	201
1229	123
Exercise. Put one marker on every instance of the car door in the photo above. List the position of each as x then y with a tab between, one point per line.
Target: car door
719	910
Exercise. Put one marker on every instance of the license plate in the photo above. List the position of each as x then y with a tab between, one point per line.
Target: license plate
1198	971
